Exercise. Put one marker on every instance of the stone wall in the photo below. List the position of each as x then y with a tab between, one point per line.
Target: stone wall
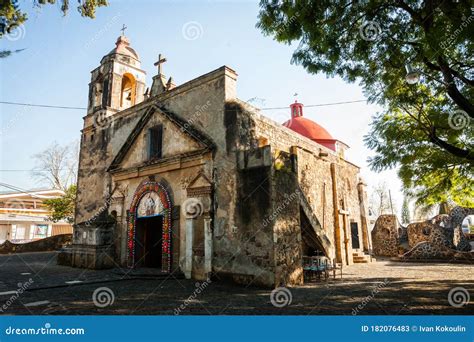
254	227
385	236
459	240
287	227
418	232
439	246
52	243
439	238
428	251
314	176
99	145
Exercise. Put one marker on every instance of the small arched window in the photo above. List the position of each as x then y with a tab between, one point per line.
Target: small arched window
127	94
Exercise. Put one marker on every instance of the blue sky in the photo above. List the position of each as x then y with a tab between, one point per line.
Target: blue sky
61	52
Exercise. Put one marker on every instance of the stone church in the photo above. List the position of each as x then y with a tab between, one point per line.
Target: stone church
190	179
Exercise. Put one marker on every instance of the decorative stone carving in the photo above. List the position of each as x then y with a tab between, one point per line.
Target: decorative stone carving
199	186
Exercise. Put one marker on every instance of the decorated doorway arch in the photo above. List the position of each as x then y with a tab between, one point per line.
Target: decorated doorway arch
150	199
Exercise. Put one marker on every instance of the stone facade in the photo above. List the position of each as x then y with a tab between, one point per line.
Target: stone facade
232	193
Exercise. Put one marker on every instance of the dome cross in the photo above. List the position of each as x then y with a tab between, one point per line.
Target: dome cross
123	29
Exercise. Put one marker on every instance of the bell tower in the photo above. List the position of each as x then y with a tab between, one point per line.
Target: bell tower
117	84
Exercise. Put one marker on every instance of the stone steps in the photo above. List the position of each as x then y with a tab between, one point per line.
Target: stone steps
361	258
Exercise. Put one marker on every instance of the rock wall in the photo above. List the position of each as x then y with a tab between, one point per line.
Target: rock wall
439	238
385	236
429	251
52	243
460	241
418	232
287	227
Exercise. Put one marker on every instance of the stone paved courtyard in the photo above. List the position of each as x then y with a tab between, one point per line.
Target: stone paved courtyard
402	288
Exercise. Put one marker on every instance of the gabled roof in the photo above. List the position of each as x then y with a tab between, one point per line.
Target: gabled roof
185	126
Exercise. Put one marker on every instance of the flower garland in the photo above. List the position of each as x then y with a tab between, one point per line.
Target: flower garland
163	195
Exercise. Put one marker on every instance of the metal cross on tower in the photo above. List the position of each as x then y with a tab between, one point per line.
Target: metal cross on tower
123	29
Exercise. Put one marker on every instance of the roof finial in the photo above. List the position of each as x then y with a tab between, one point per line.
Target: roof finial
123	29
296	109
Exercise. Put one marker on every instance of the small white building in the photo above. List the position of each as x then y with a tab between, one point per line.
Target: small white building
24	217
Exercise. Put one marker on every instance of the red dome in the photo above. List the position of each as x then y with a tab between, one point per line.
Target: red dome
309	128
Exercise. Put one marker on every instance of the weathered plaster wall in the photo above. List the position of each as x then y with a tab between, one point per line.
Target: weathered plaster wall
175	142
177	179
99	145
202	103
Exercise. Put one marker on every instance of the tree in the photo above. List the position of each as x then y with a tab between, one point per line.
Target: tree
426	128
62	208
380	200
406	217
427	211
13	17
57	166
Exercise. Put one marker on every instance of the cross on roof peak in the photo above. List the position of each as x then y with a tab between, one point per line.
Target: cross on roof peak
158	63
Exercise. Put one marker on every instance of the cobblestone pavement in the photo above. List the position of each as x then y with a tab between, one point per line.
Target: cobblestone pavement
383	287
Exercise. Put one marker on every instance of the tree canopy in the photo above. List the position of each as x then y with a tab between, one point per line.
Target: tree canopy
406	217
56	166
62	208
12	16
426	128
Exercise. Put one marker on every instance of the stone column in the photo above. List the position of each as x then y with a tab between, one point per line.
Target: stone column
345	227
188	265
207	244
337	226
197	207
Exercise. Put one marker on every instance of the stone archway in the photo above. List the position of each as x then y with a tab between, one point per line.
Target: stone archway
151	199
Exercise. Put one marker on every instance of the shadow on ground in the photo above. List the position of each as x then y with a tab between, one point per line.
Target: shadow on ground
407	292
